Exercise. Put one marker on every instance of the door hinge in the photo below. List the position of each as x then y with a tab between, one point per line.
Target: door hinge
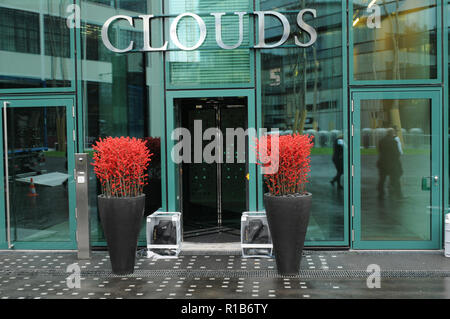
353	128
74	135
353	211
73	111
353	105
353	170
353	235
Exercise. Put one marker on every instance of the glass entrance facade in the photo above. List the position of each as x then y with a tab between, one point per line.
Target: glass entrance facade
214	193
351	73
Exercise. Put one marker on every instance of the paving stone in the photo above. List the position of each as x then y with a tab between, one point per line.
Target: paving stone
222	276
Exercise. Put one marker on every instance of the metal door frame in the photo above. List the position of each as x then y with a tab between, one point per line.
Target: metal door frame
436	165
40	101
169	178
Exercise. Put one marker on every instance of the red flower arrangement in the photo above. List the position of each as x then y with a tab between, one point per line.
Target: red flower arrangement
293	162
120	164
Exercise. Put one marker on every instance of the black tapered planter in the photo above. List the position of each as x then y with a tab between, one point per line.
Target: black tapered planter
288	218
121	220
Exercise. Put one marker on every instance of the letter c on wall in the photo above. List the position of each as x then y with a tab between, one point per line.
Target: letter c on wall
105	37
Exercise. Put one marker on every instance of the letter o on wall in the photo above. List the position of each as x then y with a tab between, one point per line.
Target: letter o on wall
174	35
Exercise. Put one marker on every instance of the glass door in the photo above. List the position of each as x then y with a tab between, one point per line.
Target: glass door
396	169
38	150
214	190
233	170
200	189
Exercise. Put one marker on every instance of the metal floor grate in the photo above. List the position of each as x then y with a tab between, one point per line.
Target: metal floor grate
304	274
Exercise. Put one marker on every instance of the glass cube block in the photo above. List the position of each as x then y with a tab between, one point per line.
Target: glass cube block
256	240
164	234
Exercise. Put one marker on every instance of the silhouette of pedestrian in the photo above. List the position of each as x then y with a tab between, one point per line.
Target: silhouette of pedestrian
338	160
389	164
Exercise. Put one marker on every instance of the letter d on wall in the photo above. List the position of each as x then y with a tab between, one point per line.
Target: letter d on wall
286	29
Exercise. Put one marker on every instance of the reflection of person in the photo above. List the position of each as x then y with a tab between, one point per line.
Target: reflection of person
389	164
338	160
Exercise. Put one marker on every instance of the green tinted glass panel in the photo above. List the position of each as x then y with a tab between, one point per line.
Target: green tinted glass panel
394	39
396	182
302	92
38	174
121	92
209	64
448	57
36	42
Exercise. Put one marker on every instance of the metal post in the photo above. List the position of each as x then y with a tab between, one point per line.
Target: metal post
6	155
82	207
447	236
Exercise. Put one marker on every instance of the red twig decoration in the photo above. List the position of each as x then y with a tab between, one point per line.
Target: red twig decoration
120	164
293	162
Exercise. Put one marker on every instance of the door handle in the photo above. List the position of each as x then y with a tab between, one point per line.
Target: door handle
427	186
436	179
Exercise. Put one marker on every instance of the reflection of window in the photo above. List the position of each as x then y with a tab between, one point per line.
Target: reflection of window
132	5
322	106
104	2
106	99
204	66
126	36
306	96
19	31
95	50
275	77
403	48
57	37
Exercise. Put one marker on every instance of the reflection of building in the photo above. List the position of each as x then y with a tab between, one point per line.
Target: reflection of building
356	81
318	69
44	55
402	40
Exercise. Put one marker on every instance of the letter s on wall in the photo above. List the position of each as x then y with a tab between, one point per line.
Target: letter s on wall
105	37
306	27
